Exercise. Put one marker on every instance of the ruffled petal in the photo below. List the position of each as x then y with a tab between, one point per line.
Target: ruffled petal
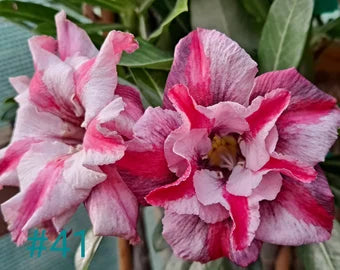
290	167
263	114
52	86
39	201
133	110
101	144
210	189
10	158
112	207
229	117
213	67
301	214
183	102
72	40
101	71
193	239
308	127
150	132
33	123
242	181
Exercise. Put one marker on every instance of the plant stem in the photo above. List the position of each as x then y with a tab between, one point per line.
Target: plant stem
124	253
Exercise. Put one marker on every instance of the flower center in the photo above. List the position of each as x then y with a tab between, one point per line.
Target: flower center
225	152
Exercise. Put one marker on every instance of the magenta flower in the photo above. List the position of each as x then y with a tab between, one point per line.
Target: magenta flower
232	158
71	127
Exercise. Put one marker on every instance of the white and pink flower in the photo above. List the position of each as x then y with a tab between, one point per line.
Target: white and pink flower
71	127
233	158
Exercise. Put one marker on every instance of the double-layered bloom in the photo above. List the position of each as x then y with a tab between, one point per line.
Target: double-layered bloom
233	158
72	123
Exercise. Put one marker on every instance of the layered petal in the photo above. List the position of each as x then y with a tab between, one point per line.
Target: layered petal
290	167
234	113
199	241
213	67
10	158
72	40
183	102
112	207
210	189
263	114
301	214
308	127
101	72
62	177
144	166
101	144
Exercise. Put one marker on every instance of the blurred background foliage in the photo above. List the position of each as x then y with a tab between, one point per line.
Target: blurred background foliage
278	34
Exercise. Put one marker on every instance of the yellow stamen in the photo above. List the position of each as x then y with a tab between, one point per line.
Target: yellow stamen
223	152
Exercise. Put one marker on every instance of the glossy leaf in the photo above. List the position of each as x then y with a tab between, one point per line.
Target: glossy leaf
324	255
114	5
180	7
23	11
147	56
150	83
227	16
91	245
284	34
258	9
8	110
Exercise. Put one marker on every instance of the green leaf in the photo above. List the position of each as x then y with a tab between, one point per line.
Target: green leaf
147	56
324	255
158	241
180	7
114	5
227	16
150	83
258	9
284	34
23	11
144	6
177	263
91	245
8	110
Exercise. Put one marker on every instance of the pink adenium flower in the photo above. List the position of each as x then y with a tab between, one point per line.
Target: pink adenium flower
72	123
233	158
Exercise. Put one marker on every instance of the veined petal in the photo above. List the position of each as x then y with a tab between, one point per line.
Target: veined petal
10	158
210	189
213	67
102	71
199	241
301	214
290	167
263	114
229	117
52	86
101	144
112	207
144	166
308	127
33	123
187	107
64	177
